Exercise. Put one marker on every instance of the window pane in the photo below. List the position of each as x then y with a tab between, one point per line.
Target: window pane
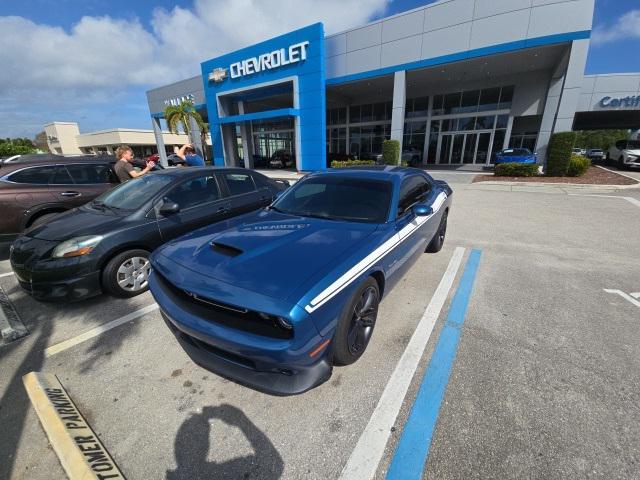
378	111
239	183
498	140
470	101
466	123
501	121
506	97
36	175
342	115
438	108
62	176
354	114
485	123
195	192
452	102
489	99
89	174
388	110
420	107
366	114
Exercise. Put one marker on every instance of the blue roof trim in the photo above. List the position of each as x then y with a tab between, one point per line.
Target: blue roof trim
478	52
280	112
199	106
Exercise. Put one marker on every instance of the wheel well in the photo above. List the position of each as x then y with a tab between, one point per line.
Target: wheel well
378	276
118	251
42	212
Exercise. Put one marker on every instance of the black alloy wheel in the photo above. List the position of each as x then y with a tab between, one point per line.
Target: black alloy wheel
438	239
356	324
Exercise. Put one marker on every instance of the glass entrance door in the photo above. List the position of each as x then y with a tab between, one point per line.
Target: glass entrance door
469	148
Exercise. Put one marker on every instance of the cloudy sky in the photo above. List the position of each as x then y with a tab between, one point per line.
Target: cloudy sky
91	61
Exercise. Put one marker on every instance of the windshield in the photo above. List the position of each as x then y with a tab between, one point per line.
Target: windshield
338	198
132	194
515	152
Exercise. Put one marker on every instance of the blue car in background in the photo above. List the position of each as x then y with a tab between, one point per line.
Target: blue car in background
274	298
515	155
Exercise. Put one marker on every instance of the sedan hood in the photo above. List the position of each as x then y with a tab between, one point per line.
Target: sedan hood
76	223
267	252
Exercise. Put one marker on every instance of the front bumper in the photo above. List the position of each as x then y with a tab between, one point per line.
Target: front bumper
71	289
273	366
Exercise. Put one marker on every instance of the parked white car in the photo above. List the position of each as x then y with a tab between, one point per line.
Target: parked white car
625	153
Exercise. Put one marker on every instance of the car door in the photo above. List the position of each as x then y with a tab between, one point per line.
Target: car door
243	193
411	229
78	183
201	202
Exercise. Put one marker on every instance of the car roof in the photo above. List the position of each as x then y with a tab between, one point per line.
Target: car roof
373	172
195	171
5	168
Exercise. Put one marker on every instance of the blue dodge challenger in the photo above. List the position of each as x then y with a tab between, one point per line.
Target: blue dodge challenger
274	298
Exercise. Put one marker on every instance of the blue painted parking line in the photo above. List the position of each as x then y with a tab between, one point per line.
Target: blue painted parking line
413	448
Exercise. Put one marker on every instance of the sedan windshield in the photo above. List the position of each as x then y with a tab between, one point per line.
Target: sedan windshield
515	152
132	194
338	198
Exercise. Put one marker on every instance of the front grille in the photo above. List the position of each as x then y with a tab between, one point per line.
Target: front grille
221	313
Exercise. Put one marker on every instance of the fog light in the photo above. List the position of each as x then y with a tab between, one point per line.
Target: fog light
284	323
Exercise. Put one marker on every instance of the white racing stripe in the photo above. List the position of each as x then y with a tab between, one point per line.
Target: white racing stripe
353	273
72	342
8	274
364	460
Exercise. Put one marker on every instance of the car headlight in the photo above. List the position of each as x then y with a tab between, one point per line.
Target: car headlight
76	247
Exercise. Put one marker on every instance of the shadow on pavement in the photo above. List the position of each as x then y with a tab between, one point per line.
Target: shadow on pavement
192	449
4	250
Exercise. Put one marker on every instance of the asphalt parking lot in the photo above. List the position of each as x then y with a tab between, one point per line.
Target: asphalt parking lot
544	380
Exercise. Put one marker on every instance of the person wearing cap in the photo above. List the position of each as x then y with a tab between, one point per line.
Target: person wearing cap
189	155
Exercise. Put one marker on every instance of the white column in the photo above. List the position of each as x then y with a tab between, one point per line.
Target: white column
427	133
247	144
399	102
157	132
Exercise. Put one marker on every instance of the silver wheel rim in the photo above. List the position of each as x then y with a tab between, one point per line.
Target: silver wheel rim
133	274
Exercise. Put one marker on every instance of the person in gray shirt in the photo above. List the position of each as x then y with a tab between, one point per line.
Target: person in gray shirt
124	167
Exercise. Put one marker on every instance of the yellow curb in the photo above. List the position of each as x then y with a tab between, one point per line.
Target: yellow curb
81	453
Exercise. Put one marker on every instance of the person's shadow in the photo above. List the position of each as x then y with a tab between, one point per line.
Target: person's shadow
192	448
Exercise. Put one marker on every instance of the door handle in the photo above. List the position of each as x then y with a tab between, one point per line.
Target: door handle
224	208
70	194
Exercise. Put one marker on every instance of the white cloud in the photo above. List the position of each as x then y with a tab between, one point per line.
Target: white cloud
101	55
627	26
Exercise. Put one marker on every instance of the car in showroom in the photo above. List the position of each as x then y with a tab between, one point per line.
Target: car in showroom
515	155
625	154
412	156
33	192
282	159
273	299
104	246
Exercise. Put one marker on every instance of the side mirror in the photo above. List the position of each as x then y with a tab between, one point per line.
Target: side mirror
422	210
169	208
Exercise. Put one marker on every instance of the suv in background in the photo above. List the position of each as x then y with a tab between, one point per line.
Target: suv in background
32	193
625	153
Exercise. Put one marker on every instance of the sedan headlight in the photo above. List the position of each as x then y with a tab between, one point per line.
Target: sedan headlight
76	247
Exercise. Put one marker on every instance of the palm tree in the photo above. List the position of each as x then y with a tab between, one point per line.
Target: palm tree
179	116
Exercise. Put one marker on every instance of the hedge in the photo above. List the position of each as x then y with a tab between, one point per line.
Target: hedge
516	170
578	166
391	152
351	163
559	153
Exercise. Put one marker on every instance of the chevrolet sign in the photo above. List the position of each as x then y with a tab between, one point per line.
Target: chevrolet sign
218	75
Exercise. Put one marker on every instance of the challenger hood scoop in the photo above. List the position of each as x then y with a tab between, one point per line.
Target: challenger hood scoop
267	252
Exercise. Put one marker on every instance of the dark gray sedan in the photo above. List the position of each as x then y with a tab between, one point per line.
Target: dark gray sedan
104	246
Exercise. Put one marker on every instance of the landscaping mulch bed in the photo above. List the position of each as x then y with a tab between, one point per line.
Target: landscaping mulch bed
594	176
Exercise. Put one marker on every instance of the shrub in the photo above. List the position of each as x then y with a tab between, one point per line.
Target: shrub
578	166
350	163
559	153
391	152
516	170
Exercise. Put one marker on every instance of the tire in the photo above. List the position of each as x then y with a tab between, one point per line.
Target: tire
621	163
356	323
44	218
438	239
127	274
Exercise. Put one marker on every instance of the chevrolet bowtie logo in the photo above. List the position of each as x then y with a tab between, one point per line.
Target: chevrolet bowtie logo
218	75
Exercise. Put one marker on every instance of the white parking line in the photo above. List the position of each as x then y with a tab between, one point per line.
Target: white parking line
364	459
59	347
631	200
8	274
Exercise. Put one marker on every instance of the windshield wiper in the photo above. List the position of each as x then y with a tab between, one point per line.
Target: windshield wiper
102	206
313	215
276	209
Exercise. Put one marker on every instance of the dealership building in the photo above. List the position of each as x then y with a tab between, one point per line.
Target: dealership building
454	82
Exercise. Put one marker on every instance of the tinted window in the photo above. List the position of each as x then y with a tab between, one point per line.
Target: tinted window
194	192
133	194
338	198
85	174
62	176
35	175
414	190
261	181
239	183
